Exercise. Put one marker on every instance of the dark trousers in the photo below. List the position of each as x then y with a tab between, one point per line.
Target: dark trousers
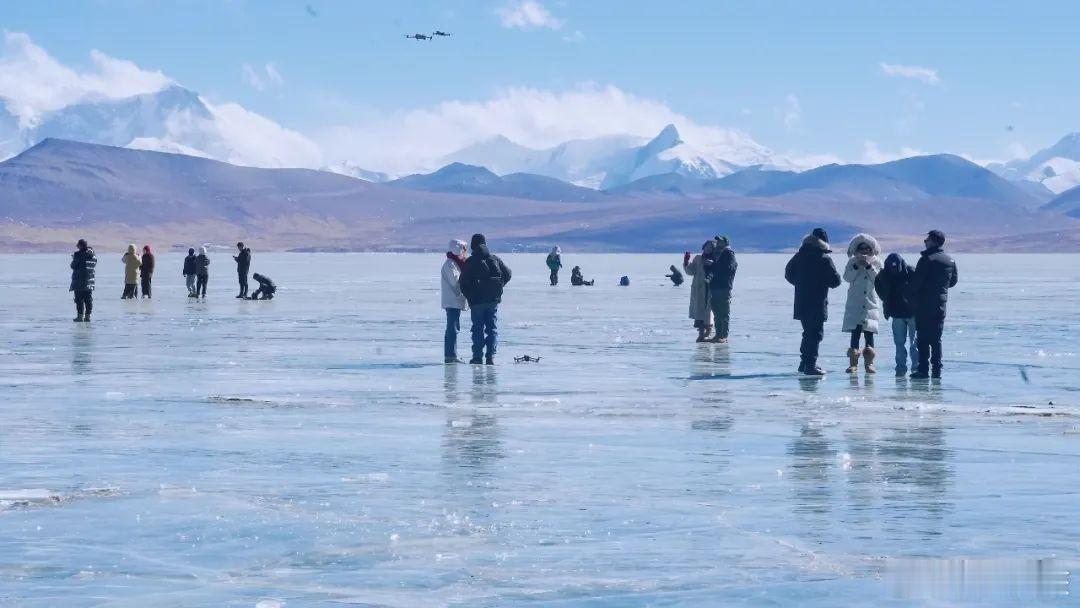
242	276
200	284
453	326
554	277
485	330
720	302
146	285
84	302
813	331
131	290
865	334
928	331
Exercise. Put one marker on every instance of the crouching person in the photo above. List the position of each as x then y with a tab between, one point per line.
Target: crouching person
266	289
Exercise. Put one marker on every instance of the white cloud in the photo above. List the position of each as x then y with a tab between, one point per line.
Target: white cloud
528	14
792	111
416	139
914	72
872	155
260	80
33	83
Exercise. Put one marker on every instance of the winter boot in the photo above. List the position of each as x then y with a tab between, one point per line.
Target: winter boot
701	333
868	359
489	361
853	360
78	319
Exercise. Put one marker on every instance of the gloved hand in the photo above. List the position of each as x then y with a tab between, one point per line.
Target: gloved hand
686	258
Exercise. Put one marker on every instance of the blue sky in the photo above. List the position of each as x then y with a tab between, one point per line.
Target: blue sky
987	79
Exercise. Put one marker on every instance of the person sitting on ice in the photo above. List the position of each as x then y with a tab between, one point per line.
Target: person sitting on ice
266	288
577	279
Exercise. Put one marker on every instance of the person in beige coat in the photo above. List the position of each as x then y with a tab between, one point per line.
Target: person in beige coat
131	273
700	311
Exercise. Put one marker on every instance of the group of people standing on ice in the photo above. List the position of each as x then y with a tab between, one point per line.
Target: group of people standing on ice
913	298
475	283
139	272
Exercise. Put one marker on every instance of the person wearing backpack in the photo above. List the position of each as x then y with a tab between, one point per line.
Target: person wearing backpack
482	280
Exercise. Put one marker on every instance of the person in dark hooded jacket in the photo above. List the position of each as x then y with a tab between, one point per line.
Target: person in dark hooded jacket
928	295
147	270
243	264
577	279
720	268
482	281
891	286
83	273
189	273
812	271
266	289
675	276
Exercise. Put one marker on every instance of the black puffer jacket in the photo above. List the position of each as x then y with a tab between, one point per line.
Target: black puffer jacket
243	261
189	264
928	289
720	268
891	286
83	270
483	277
812	272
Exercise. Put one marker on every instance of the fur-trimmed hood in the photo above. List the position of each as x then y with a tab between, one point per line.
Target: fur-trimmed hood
861	238
813	241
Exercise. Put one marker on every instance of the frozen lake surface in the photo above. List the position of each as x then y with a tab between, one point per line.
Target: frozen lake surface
313	450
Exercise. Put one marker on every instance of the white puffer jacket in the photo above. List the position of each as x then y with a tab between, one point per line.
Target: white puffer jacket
451	280
863	305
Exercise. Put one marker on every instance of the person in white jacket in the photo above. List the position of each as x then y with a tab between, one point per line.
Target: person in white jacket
862	313
453	301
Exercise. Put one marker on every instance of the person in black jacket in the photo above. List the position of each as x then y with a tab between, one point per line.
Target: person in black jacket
577	279
243	264
720	268
928	294
189	273
675	276
891	286
482	281
147	270
202	272
83	273
266	289
812	272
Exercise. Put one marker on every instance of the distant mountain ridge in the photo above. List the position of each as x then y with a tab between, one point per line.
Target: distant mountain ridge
59	191
469	179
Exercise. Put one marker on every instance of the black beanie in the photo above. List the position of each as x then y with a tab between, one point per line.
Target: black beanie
937	236
821	234
477	240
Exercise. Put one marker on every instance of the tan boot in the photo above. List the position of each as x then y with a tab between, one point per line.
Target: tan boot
869	355
853	360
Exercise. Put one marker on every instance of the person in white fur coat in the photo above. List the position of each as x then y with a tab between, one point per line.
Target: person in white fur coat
862	313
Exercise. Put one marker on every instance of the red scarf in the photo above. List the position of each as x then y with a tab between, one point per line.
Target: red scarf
458	260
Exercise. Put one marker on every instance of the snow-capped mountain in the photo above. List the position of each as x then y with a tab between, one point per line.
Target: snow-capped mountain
1057	167
173	119
609	162
346	168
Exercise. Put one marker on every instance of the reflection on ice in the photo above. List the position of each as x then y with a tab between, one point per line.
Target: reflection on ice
311	451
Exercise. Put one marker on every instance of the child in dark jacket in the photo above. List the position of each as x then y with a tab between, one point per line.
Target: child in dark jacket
891	285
